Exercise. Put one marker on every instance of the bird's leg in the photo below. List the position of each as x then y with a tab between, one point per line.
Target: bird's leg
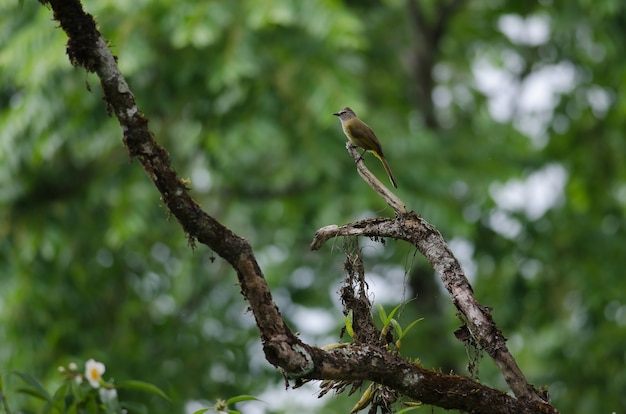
361	157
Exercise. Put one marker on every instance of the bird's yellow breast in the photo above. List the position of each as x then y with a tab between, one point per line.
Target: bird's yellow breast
361	135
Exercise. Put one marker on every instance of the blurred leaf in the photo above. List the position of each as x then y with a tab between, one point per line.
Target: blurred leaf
143	386
36	390
241	398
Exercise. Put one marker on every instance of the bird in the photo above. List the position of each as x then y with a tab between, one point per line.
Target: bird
361	135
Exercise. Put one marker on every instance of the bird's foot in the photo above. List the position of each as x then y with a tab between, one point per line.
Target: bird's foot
360	157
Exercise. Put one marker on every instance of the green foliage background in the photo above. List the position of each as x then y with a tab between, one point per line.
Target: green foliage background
241	93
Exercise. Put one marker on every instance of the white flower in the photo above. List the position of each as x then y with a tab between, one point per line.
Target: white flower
72	366
93	372
107	394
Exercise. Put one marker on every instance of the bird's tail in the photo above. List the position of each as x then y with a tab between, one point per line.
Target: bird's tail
387	168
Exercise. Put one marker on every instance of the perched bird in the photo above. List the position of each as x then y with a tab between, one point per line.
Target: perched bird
361	135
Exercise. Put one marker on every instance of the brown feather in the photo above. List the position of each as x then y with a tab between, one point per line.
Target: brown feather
361	135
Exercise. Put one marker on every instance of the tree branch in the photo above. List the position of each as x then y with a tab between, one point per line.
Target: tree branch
282	348
391	199
425	237
425	51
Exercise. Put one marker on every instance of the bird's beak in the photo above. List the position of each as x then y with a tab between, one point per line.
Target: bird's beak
336	114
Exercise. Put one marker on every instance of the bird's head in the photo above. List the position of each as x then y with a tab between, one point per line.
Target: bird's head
345	114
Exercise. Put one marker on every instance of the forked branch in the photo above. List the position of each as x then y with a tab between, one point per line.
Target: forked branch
281	346
478	325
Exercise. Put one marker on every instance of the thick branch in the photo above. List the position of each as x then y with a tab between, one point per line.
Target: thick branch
86	48
417	231
444	390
